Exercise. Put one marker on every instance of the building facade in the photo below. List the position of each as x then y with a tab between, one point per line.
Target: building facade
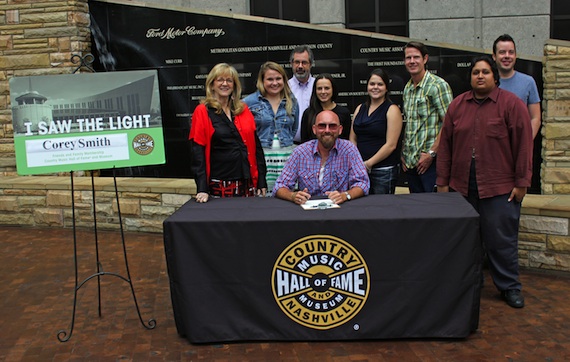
474	23
39	40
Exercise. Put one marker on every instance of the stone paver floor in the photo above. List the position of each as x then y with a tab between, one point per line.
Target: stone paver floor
36	288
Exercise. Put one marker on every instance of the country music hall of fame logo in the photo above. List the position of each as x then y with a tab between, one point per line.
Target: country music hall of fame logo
320	282
143	144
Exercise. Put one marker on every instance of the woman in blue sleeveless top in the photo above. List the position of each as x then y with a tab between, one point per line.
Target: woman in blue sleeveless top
376	129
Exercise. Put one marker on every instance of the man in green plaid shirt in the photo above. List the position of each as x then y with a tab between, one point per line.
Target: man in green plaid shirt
426	98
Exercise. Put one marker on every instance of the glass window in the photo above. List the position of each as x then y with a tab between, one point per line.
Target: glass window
393	11
380	16
560	29
296	10
363	11
560	19
560	7
265	8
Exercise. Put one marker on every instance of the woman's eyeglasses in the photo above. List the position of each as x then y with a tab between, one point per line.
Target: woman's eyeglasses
227	80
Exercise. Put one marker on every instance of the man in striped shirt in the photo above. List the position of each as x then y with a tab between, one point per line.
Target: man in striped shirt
328	166
426	98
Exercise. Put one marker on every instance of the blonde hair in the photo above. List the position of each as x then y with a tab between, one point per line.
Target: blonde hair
285	92
223	70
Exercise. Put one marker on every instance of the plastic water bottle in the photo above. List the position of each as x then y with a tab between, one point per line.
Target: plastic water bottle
276	143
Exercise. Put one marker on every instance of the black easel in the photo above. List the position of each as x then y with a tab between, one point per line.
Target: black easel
63	335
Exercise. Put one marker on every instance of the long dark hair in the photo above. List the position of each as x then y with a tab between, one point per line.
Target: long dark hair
385	78
315	105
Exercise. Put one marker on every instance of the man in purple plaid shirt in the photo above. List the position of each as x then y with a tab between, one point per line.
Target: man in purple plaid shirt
326	166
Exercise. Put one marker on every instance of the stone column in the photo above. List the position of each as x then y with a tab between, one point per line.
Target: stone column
36	38
555	172
328	13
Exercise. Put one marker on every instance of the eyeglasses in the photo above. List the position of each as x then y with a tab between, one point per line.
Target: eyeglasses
332	126
299	62
227	80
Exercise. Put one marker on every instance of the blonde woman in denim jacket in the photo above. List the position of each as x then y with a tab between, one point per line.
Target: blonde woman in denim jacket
276	111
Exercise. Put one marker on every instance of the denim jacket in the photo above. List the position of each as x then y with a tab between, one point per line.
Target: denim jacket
268	123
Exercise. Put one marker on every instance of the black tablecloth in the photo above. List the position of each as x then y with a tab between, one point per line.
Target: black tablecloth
395	266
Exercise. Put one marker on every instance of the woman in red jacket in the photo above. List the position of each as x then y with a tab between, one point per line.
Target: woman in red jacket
227	158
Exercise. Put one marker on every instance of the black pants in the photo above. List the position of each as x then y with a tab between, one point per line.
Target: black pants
499	228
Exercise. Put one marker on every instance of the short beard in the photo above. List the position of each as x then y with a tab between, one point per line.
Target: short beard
328	144
303	77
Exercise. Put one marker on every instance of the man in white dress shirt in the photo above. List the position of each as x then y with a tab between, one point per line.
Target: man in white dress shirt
301	83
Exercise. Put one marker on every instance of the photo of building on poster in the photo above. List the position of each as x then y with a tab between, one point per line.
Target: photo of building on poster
89	121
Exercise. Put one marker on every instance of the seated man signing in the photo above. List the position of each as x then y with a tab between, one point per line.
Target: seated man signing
326	166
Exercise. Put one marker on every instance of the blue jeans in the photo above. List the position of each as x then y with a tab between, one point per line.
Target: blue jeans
421	183
383	180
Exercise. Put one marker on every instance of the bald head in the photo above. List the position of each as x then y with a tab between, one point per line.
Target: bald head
327	128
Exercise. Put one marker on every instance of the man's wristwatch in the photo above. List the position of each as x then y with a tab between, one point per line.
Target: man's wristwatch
432	153
348	197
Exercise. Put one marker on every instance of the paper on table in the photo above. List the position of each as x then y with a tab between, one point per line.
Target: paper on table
319	204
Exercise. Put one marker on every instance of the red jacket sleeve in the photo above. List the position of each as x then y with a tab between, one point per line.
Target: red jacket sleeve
201	131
